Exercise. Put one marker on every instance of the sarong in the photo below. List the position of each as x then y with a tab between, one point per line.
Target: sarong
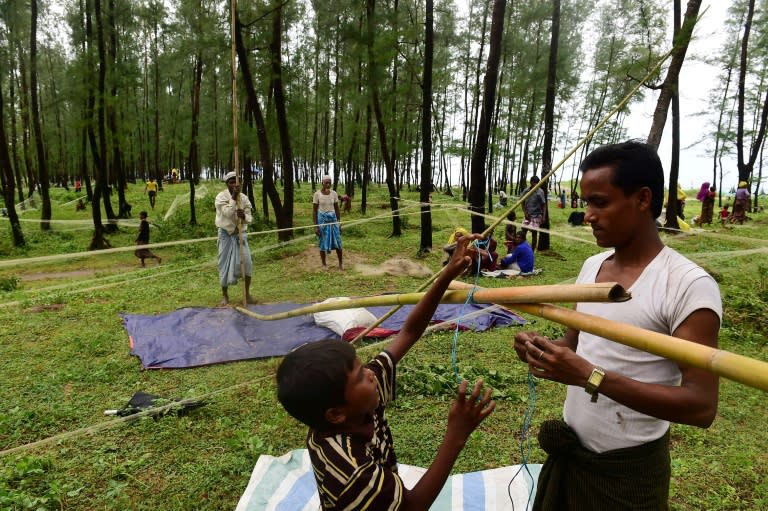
330	234
229	257
143	253
575	478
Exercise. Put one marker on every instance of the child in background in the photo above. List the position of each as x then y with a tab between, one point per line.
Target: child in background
324	385
724	215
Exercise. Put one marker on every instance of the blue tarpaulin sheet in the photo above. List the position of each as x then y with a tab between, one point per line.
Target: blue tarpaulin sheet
197	336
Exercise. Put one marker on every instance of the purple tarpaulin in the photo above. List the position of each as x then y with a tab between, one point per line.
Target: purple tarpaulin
197	336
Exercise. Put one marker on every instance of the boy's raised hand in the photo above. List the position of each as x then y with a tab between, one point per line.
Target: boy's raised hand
463	256
468	412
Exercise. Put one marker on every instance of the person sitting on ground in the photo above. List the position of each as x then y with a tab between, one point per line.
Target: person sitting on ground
486	252
576	218
143	239
325	386
80	206
489	258
522	258
503	198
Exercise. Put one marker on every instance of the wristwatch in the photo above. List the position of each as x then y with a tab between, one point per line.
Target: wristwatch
594	381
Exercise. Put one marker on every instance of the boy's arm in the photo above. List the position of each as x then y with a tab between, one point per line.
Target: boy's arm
420	316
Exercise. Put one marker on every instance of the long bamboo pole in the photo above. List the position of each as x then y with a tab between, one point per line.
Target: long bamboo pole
601	292
739	368
543	180
235	145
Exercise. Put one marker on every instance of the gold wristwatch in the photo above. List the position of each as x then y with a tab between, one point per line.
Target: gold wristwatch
594	381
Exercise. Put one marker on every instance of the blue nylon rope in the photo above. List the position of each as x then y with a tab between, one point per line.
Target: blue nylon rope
479	244
525	439
525	442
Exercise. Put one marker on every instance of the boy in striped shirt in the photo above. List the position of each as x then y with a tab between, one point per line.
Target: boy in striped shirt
325	386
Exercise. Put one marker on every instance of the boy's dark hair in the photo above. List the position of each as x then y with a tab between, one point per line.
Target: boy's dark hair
535	179
312	378
143	213
635	165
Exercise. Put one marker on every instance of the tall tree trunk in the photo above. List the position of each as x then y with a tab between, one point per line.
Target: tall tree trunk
16	161
674	167
42	164
745	165
477	165
382	132
194	156
254	108
7	181
549	119
123	208
681	40
284	217
426	131
103	181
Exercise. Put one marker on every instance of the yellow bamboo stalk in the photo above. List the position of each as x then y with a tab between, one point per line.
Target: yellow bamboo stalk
601	292
235	147
739	368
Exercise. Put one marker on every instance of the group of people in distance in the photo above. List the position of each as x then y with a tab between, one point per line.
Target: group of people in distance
738	214
611	449
233	214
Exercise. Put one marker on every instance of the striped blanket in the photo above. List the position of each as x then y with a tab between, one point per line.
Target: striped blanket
287	484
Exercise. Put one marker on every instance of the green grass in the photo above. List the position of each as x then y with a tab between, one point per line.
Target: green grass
65	360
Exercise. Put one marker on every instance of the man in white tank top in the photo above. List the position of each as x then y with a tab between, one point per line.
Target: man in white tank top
612	450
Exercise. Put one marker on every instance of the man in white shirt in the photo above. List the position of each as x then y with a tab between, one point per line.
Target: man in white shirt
612	449
233	214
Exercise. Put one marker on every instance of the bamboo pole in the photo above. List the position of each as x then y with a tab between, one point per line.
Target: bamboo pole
738	368
543	180
235	145
602	292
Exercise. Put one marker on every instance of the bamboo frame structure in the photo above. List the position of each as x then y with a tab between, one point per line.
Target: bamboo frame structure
749	371
601	292
543	180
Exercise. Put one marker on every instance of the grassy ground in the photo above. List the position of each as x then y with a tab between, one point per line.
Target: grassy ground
65	359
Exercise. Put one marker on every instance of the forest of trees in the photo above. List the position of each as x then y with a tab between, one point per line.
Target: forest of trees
112	92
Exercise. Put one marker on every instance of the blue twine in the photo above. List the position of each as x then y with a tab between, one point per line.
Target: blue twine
455	346
525	442
525	439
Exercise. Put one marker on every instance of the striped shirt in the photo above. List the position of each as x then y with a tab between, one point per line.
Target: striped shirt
356	468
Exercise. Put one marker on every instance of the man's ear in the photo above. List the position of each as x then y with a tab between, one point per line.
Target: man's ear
644	197
335	415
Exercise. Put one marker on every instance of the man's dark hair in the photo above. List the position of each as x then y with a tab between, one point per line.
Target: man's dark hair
535	179
635	165
312	379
